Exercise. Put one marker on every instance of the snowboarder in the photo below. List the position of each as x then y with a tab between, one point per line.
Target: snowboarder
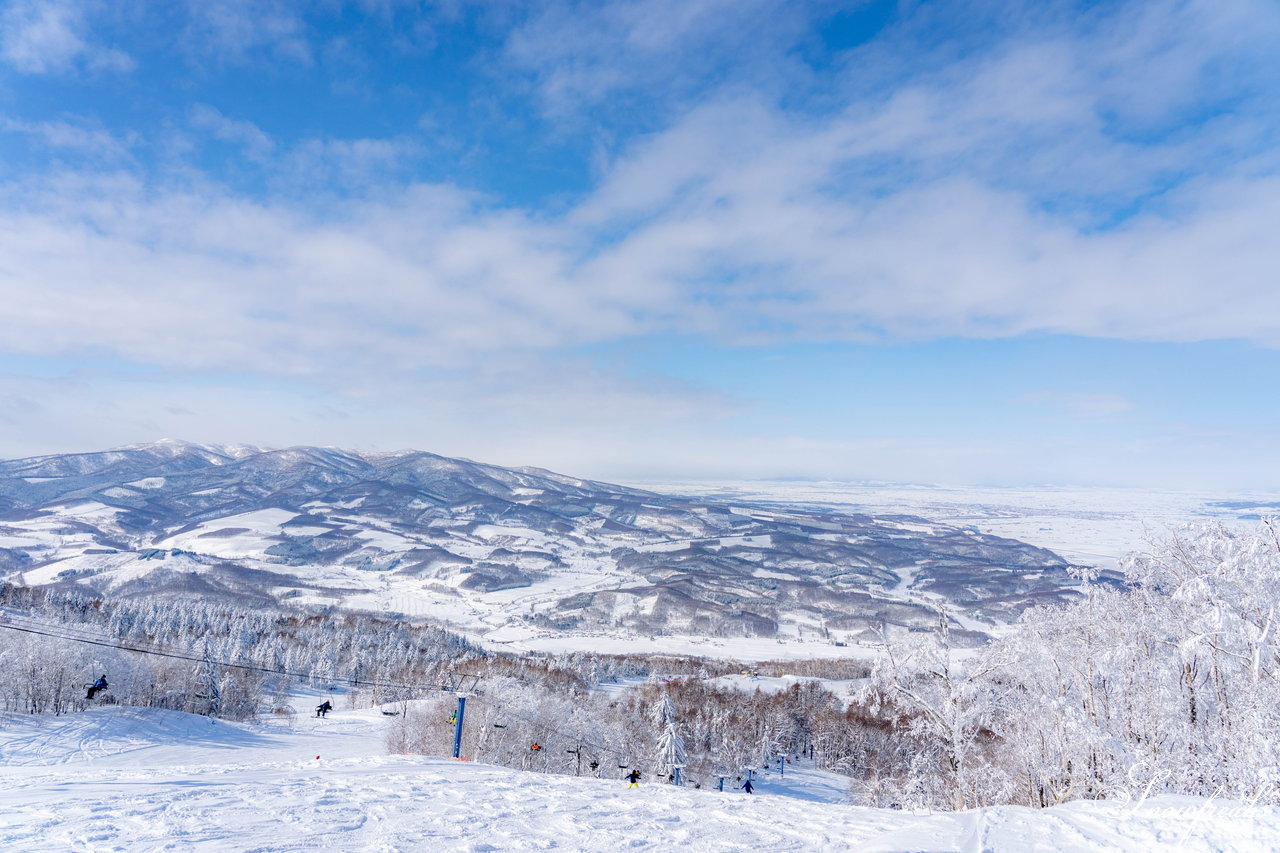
96	687
634	778
323	708
747	786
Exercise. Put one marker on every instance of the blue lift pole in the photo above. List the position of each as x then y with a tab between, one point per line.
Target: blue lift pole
457	726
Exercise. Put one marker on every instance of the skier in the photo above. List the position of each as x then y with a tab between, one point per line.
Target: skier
747	786
634	778
323	708
96	687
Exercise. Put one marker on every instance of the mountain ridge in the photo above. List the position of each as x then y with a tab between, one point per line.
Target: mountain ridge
495	549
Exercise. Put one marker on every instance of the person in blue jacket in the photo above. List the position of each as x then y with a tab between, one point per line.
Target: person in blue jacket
97	687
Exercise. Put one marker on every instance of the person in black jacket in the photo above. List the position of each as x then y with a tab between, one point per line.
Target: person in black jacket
323	708
634	778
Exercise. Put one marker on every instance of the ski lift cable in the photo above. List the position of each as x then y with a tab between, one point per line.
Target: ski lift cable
548	728
31	627
89	635
82	635
79	634
73	634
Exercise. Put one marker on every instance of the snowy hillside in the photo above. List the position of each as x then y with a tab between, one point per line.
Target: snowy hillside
517	556
134	778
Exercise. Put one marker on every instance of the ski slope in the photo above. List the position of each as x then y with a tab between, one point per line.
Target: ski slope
117	778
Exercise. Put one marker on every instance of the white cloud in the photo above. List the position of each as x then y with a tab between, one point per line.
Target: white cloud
257	144
204	279
40	36
726	225
347	163
583	53
83	136
45	36
233	31
1096	406
310	166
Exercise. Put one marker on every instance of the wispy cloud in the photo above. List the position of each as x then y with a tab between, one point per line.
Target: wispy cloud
1097	406
256	144
581	54
230	32
84	136
46	36
974	201
433	275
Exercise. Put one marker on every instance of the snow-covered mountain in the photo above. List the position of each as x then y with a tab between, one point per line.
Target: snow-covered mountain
494	550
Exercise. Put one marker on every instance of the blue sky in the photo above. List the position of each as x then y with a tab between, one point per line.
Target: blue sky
963	242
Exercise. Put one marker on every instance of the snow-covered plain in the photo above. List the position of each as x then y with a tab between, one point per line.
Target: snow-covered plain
119	778
1088	526
1091	526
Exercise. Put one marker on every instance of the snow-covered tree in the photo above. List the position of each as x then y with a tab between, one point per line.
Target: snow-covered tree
669	752
1169	683
946	707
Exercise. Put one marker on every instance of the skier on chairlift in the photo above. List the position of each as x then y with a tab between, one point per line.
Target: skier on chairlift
97	687
323	708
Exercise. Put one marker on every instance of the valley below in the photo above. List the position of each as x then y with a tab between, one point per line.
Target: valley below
523	559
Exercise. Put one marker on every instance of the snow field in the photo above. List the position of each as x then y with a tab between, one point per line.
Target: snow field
142	779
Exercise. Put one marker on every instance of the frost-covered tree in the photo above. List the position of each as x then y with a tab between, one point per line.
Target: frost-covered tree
946	708
669	752
1169	683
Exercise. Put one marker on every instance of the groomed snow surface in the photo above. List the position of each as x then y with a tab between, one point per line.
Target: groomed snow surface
119	778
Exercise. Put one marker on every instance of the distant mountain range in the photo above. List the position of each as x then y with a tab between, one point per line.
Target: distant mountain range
491	549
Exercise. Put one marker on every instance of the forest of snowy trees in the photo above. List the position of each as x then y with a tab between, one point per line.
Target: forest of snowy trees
47	671
1166	682
1169	682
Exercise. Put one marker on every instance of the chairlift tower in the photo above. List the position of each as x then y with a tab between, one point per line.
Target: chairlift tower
457	724
461	686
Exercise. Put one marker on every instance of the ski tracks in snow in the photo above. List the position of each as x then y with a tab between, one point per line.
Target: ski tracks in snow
151	780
